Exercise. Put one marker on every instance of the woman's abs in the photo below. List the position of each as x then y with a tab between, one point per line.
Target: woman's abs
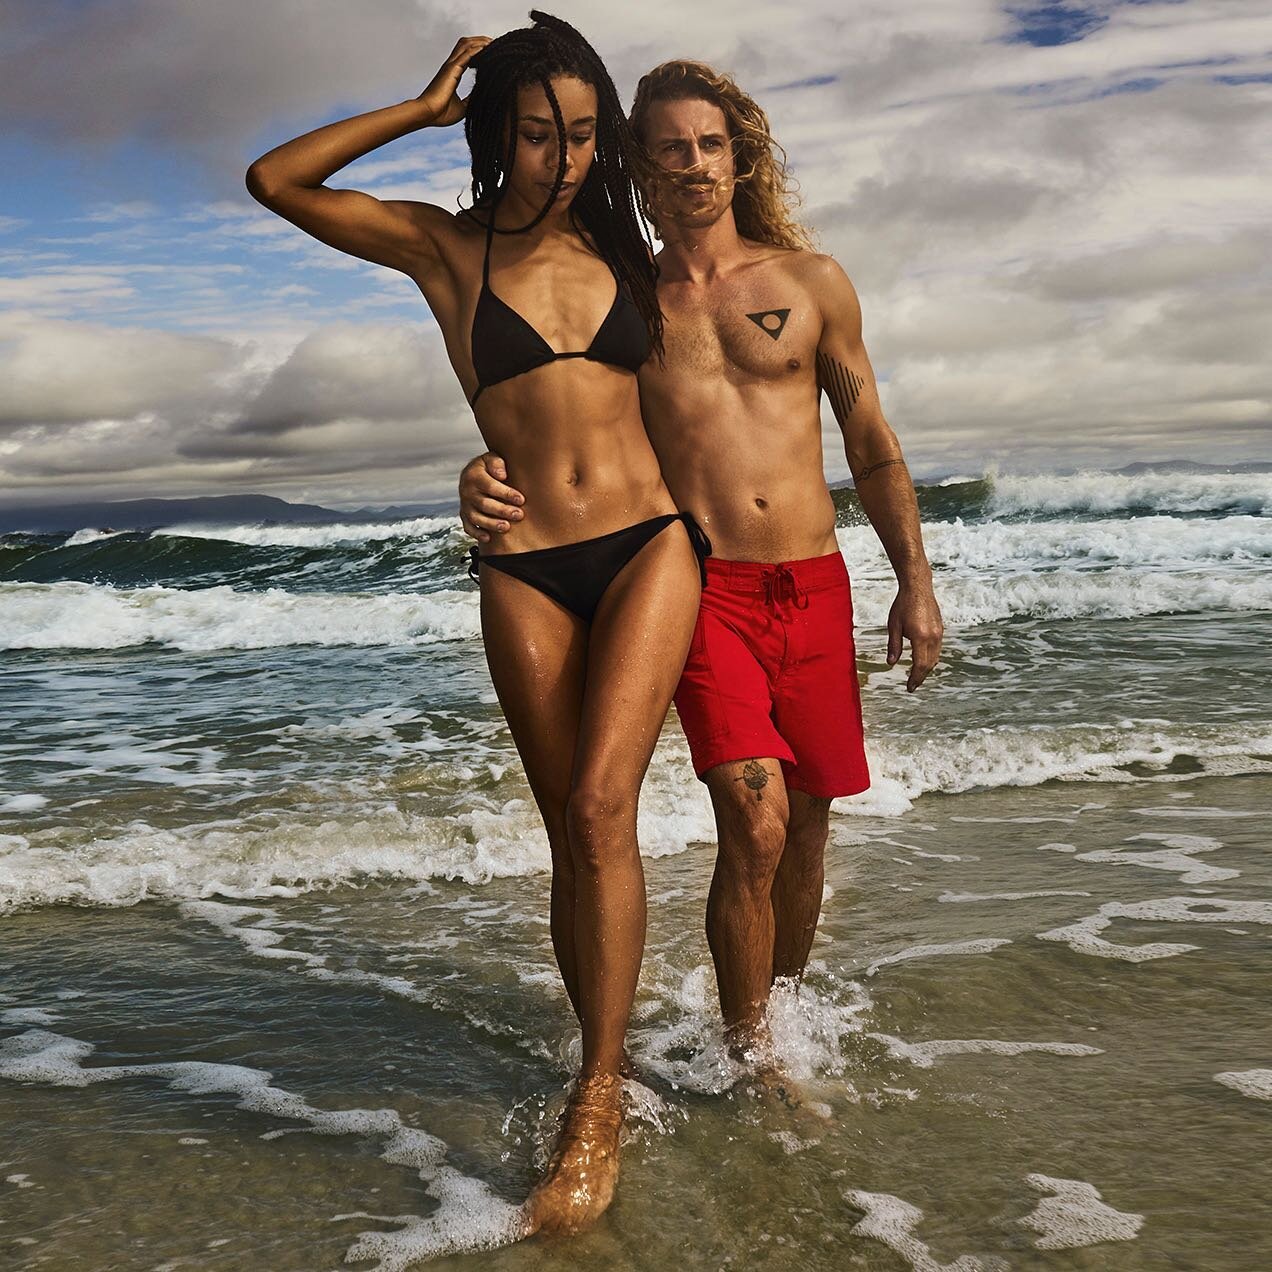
584	471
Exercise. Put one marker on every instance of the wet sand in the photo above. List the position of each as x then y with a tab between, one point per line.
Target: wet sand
1011	1082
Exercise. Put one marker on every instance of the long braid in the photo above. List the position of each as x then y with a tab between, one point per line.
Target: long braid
606	206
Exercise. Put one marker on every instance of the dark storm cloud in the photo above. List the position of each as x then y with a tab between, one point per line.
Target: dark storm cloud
1053	269
209	73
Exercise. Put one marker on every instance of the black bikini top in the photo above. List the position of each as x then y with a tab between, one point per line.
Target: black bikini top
505	345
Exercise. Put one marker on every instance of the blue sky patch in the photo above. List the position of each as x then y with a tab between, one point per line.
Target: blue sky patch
1141	84
813	81
1043	25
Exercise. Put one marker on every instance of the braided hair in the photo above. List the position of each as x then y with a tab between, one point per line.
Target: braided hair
606	206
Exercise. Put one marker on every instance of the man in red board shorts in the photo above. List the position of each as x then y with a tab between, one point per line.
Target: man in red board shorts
757	327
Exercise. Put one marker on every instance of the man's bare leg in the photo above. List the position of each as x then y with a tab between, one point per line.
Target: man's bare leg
797	884
749	798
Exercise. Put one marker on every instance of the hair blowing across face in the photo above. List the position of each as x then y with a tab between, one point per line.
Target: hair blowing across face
765	194
606	204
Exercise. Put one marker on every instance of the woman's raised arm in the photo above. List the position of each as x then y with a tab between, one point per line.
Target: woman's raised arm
399	233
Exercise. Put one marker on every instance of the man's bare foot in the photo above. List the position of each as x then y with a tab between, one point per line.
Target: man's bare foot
769	1083
749	1041
579	1185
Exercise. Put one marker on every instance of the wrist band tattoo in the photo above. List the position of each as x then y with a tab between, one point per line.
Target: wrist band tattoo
872	468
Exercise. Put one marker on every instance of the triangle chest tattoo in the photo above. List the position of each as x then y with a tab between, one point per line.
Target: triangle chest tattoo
771	321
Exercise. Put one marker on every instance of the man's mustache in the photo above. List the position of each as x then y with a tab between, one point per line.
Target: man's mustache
689	184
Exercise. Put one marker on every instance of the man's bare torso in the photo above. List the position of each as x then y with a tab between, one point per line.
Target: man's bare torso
734	414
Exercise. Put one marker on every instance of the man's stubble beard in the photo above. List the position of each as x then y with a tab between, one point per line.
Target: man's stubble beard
702	218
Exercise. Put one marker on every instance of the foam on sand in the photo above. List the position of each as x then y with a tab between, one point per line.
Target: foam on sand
924	1055
892	1222
981	945
1195	810
1176	855
1011	896
1074	1216
1083	937
1255	1083
469	1216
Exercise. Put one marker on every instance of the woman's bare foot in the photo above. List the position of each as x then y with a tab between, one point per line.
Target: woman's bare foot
579	1185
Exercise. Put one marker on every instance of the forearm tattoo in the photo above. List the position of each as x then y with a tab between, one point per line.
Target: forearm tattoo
756	777
842	386
874	468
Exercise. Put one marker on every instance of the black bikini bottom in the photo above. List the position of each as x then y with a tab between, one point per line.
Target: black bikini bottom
576	575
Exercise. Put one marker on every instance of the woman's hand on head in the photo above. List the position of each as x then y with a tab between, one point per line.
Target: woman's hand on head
486	505
442	95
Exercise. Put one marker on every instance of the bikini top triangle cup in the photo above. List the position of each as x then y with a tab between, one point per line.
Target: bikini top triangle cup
504	344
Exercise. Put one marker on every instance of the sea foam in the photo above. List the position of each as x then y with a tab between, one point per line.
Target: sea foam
1254	1083
924	1055
303	536
892	1222
1094	491
1083	936
1074	1215
71	615
469	1216
499	834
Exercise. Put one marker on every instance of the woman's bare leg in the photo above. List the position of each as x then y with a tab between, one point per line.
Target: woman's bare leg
640	636
537	655
636	650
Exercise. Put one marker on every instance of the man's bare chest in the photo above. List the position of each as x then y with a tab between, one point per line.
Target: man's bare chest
764	332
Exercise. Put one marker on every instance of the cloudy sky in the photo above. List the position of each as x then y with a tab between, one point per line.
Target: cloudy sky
1056	215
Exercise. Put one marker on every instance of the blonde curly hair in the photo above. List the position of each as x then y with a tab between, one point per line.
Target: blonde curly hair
765	195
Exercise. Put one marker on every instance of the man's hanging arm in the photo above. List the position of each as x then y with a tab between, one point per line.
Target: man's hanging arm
883	481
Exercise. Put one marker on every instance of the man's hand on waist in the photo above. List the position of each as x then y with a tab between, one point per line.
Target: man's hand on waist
486	504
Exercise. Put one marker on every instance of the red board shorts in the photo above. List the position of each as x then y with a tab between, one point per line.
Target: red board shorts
772	673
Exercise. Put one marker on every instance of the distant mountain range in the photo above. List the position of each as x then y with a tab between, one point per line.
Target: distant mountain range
149	514
1137	469
212	510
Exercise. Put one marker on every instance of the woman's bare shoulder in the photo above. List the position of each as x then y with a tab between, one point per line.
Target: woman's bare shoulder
442	224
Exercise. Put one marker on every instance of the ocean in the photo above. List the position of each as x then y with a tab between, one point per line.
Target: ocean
276	985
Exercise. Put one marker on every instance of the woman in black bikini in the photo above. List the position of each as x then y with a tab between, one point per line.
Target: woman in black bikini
585	639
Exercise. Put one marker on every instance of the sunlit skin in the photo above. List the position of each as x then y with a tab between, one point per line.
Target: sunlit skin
735	420
583	480
584	703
